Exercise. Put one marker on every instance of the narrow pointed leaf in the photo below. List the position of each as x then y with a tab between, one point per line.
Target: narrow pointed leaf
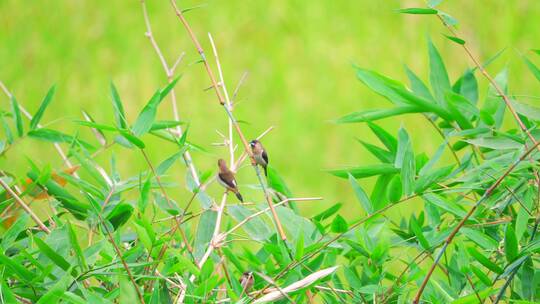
44	104
361	195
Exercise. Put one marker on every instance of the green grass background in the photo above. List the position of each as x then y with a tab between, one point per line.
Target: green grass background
299	56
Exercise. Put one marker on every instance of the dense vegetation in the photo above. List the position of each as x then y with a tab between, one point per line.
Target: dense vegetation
87	232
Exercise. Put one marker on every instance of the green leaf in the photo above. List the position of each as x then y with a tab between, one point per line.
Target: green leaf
120	215
378	194
496	143
484	260
438	77
133	139
339	225
456	39
361	195
389	141
373	115
382	85
473	298
6	294
165	124
145	192
395	189
256	228
119	114
449	20
328	212
417	230
523	213
166	164
461	110
128	294
467	86
52	255
57	137
76	247
494	104
147	116
510	243
382	154
17	116
526	110
54	293
417	85
17	268
365	171
69	202
9	134
9	236
205	229
44	104
480	238
94	125
405	160
277	183
431	178
418	11
481	275
445	204
532	67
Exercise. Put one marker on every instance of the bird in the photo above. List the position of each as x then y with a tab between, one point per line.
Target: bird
260	155
246	281
226	179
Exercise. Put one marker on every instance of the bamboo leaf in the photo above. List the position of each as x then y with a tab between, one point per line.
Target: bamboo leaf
361	195
418	11
119	114
44	104
17	116
365	171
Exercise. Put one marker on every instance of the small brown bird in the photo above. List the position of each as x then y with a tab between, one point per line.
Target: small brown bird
246	280
226	179
259	153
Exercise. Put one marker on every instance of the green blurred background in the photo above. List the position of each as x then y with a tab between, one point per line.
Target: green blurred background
298	55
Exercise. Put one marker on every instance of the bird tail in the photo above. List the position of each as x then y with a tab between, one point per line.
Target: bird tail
239	196
265	171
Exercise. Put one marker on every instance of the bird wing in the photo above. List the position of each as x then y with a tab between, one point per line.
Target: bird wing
265	156
228	179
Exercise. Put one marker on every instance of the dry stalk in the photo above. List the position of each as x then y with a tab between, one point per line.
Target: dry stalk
222	102
19	200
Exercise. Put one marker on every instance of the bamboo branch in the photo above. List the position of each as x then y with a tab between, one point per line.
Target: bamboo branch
117	249
19	200
169	71
222	102
454	232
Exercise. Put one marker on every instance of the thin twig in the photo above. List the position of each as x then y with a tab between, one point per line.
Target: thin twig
222	101
169	71
227	100
454	232
19	200
254	215
118	252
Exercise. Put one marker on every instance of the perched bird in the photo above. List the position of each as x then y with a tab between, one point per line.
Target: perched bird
246	280
259	153
226	179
